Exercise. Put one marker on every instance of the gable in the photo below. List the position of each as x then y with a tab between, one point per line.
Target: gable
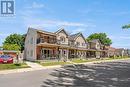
62	34
62	31
80	38
98	41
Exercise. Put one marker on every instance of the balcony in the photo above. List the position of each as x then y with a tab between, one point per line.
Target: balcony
72	45
61	42
93	48
42	40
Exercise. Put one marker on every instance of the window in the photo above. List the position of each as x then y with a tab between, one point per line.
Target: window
31	53
98	46
31	41
28	42
62	39
64	52
87	46
28	52
83	44
77	43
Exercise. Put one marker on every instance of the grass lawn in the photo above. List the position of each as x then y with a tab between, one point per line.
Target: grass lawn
13	66
84	60
79	60
54	63
91	60
75	60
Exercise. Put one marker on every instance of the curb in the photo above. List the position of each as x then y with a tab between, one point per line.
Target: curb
3	72
17	70
102	61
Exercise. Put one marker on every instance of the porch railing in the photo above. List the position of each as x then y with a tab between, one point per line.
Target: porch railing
42	40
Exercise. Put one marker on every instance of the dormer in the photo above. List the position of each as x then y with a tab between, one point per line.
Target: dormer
95	44
62	36
79	40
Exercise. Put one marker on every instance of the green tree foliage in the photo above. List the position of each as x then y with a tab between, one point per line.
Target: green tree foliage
102	37
14	40
11	47
126	26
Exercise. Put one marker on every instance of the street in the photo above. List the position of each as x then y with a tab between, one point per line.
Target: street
110	74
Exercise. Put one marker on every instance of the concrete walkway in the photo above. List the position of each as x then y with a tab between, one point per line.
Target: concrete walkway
34	65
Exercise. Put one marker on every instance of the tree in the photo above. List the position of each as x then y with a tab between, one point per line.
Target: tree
126	26
13	40
11	47
102	37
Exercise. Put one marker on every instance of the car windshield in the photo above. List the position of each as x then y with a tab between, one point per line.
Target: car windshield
5	56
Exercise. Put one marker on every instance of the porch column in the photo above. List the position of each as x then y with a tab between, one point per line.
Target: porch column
57	53
67	53
76	53
108	54
61	52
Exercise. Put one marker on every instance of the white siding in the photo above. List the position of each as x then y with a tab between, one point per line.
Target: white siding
81	40
62	34
30	44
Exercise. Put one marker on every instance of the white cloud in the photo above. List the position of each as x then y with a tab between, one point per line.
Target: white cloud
41	23
124	37
31	19
111	13
103	12
78	30
3	35
36	5
120	37
121	45
65	23
120	41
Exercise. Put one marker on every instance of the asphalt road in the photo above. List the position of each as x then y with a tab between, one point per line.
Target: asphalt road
112	74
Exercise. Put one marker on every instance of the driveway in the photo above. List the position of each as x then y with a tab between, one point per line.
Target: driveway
110	74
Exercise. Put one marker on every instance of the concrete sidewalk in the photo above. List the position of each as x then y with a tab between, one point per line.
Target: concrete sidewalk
35	66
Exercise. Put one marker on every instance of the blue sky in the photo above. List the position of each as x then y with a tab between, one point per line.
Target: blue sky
86	16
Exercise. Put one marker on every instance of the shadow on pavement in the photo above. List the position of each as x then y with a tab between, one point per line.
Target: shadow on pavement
112	74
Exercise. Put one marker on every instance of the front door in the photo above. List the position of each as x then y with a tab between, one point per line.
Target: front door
45	53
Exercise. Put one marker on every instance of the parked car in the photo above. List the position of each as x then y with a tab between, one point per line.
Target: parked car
6	59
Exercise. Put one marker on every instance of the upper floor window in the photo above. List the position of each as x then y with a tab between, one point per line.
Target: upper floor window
77	43
31	53
64	52
62	39
31	41
87	46
28	52
83	44
97	46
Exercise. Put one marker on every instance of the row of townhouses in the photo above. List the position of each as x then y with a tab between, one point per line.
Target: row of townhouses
118	52
40	45
43	45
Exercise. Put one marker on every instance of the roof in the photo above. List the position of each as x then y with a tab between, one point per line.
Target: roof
120	49
94	40
62	29
112	48
42	31
73	36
